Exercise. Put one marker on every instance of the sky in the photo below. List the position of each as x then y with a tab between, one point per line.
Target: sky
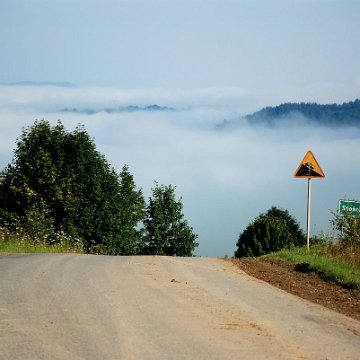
211	61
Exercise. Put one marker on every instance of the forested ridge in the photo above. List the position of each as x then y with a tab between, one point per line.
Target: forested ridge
345	114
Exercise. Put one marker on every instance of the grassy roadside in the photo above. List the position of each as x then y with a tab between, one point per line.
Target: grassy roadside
11	242
36	248
331	268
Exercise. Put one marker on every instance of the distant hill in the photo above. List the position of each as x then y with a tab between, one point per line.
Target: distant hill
120	109
43	83
332	115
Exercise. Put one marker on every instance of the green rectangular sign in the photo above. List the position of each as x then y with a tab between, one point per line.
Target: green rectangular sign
349	207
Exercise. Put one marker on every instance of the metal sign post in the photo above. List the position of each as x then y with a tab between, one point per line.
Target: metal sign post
309	168
308	215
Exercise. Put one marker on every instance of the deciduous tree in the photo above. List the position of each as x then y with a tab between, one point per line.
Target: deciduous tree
128	240
166	231
64	173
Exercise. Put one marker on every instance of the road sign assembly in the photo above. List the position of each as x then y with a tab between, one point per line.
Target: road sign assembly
309	168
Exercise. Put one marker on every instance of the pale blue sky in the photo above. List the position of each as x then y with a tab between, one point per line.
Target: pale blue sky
211	60
179	43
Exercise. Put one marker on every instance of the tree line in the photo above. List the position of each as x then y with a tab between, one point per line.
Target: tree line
58	182
347	113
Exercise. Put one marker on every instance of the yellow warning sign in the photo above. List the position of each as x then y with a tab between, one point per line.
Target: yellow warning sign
309	167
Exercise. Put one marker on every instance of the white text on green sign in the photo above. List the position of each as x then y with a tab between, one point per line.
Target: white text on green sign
349	207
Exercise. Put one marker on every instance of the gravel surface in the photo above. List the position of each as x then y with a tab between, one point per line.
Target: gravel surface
70	306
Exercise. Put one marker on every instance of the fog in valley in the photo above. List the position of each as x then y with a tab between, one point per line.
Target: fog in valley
225	175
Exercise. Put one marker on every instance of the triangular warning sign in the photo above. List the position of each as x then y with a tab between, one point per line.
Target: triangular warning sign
309	167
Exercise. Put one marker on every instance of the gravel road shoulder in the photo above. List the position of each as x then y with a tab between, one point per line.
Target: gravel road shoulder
309	286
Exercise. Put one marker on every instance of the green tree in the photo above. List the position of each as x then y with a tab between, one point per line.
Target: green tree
348	228
272	231
64	173
128	240
95	188
166	231
33	177
2	174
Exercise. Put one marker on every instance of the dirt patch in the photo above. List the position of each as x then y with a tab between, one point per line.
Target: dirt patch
308	286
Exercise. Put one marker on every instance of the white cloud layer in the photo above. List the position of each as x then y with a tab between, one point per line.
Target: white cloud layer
226	178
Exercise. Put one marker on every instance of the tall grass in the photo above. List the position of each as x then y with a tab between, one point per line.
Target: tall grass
19	241
331	261
335	256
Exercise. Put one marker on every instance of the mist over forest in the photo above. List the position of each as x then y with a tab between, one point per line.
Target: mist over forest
330	115
227	172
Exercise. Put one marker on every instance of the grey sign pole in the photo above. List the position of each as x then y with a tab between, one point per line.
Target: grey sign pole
308	215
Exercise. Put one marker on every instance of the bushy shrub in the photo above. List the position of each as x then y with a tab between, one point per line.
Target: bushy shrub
273	231
348	227
343	241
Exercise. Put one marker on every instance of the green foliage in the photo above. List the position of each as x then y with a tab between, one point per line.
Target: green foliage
31	178
37	225
63	173
34	239
60	191
272	231
348	228
94	189
166	231
325	261
128	239
334	257
343	240
2	175
329	115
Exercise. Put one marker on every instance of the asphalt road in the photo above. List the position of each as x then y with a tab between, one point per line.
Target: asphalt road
96	307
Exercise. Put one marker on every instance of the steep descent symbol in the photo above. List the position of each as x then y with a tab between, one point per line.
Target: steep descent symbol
309	167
